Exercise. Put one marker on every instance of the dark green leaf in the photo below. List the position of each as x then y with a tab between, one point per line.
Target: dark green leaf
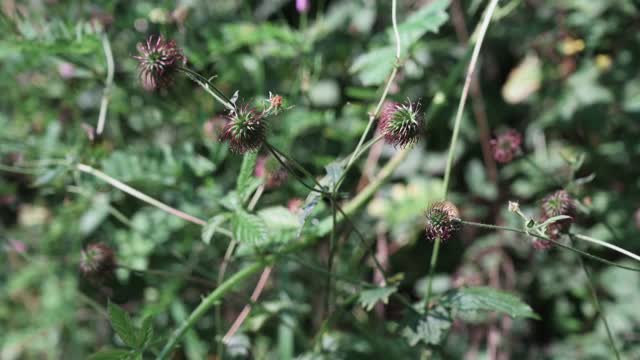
122	324
474	299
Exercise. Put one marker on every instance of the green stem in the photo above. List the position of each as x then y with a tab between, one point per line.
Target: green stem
598	307
456	129
610	246
432	267
392	76
208	87
557	243
207	303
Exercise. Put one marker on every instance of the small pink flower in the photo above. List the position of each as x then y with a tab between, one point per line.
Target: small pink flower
17	246
506	146
66	70
302	6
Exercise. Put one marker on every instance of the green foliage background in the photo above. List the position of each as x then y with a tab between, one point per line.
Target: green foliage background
575	94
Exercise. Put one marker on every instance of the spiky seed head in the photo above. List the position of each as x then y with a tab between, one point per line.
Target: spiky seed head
245	130
443	221
271	170
506	146
401	123
158	60
97	261
556	204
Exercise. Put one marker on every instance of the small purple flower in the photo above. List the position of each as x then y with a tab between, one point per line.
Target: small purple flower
158	59
443	221
401	124
245	130
66	70
302	6
506	146
18	246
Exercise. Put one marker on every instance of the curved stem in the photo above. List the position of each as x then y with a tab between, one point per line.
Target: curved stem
104	103
137	194
605	244
394	72
557	243
598	307
456	129
465	90
208	87
207	303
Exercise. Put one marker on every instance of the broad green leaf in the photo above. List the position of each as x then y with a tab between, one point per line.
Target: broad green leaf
248	228
111	354
122	324
475	299
369	298
212	225
430	330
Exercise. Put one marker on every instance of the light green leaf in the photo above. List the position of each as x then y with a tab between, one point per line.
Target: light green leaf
369	298
122	324
375	66
474	299
249	229
428	19
95	215
430	330
212	225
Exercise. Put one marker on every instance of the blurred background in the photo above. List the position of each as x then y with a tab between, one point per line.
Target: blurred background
562	73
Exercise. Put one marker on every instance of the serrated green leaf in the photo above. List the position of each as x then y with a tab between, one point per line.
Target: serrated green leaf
369	298
122	325
475	299
111	354
212	225
145	333
231	201
249	229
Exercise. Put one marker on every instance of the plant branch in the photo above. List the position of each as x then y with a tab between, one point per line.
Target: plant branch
456	129
139	195
108	84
